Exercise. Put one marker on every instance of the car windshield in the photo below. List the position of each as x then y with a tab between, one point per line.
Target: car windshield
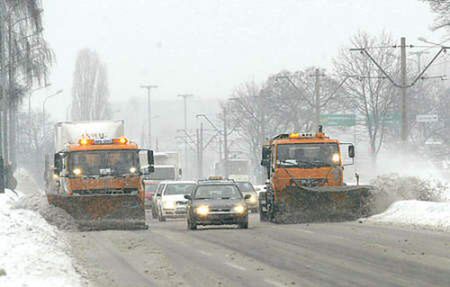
245	186
217	192
307	155
181	188
107	162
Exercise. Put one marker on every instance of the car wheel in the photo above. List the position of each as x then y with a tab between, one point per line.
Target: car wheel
161	217
243	225
192	225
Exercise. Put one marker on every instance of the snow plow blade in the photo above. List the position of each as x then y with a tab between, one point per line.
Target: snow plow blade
322	204
103	212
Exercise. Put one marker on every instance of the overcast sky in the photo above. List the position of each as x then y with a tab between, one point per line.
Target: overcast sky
208	47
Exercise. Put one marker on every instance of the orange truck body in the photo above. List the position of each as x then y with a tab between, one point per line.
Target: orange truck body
309	186
95	200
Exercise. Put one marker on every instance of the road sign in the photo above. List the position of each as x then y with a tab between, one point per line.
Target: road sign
427	118
338	120
389	119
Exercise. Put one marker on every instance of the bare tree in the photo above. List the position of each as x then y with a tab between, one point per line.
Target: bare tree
371	95
90	92
34	143
442	9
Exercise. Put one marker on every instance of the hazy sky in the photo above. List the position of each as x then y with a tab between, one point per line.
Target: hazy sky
208	47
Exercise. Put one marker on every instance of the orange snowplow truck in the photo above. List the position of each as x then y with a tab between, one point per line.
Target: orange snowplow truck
306	182
97	175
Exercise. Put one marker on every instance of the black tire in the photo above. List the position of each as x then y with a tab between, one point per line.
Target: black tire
262	216
243	225
154	214
191	225
161	217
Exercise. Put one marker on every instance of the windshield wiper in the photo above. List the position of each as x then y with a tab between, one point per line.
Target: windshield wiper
298	162
225	197
202	198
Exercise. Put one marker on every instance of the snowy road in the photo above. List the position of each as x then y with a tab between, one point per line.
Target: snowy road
339	254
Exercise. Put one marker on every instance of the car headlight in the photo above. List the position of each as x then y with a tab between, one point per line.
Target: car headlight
202	210
239	209
77	171
169	204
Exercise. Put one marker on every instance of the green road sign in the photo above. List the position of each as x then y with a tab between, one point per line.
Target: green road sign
390	119
338	120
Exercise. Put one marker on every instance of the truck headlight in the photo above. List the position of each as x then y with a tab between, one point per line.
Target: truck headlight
202	210
335	158
239	209
132	169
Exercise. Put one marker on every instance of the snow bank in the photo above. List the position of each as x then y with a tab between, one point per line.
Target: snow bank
434	215
32	252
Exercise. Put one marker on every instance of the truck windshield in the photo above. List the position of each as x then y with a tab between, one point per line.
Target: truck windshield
163	173
106	162
308	155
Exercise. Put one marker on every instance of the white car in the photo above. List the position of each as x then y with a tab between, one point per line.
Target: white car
171	202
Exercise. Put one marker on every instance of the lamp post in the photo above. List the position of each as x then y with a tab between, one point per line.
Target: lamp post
43	109
149	111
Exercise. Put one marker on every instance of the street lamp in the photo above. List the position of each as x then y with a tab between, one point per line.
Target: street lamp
43	109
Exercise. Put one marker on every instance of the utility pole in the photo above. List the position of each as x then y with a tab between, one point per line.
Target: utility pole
2	88
419	59
404	130
403	85
185	97
317	99
200	148
225	142
149	112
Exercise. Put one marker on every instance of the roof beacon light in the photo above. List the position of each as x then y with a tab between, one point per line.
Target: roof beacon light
294	136
123	140
85	141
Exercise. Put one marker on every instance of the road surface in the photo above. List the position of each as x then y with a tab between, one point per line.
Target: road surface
328	254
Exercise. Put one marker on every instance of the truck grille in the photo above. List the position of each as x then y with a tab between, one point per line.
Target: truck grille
309	182
106	191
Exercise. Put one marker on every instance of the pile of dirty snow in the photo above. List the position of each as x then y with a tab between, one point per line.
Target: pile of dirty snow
32	252
399	187
434	215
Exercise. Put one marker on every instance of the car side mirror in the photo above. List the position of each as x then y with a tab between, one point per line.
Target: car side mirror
351	151
188	197
247	196
180	172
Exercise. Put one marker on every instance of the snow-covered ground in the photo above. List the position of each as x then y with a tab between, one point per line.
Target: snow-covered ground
32	252
428	214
